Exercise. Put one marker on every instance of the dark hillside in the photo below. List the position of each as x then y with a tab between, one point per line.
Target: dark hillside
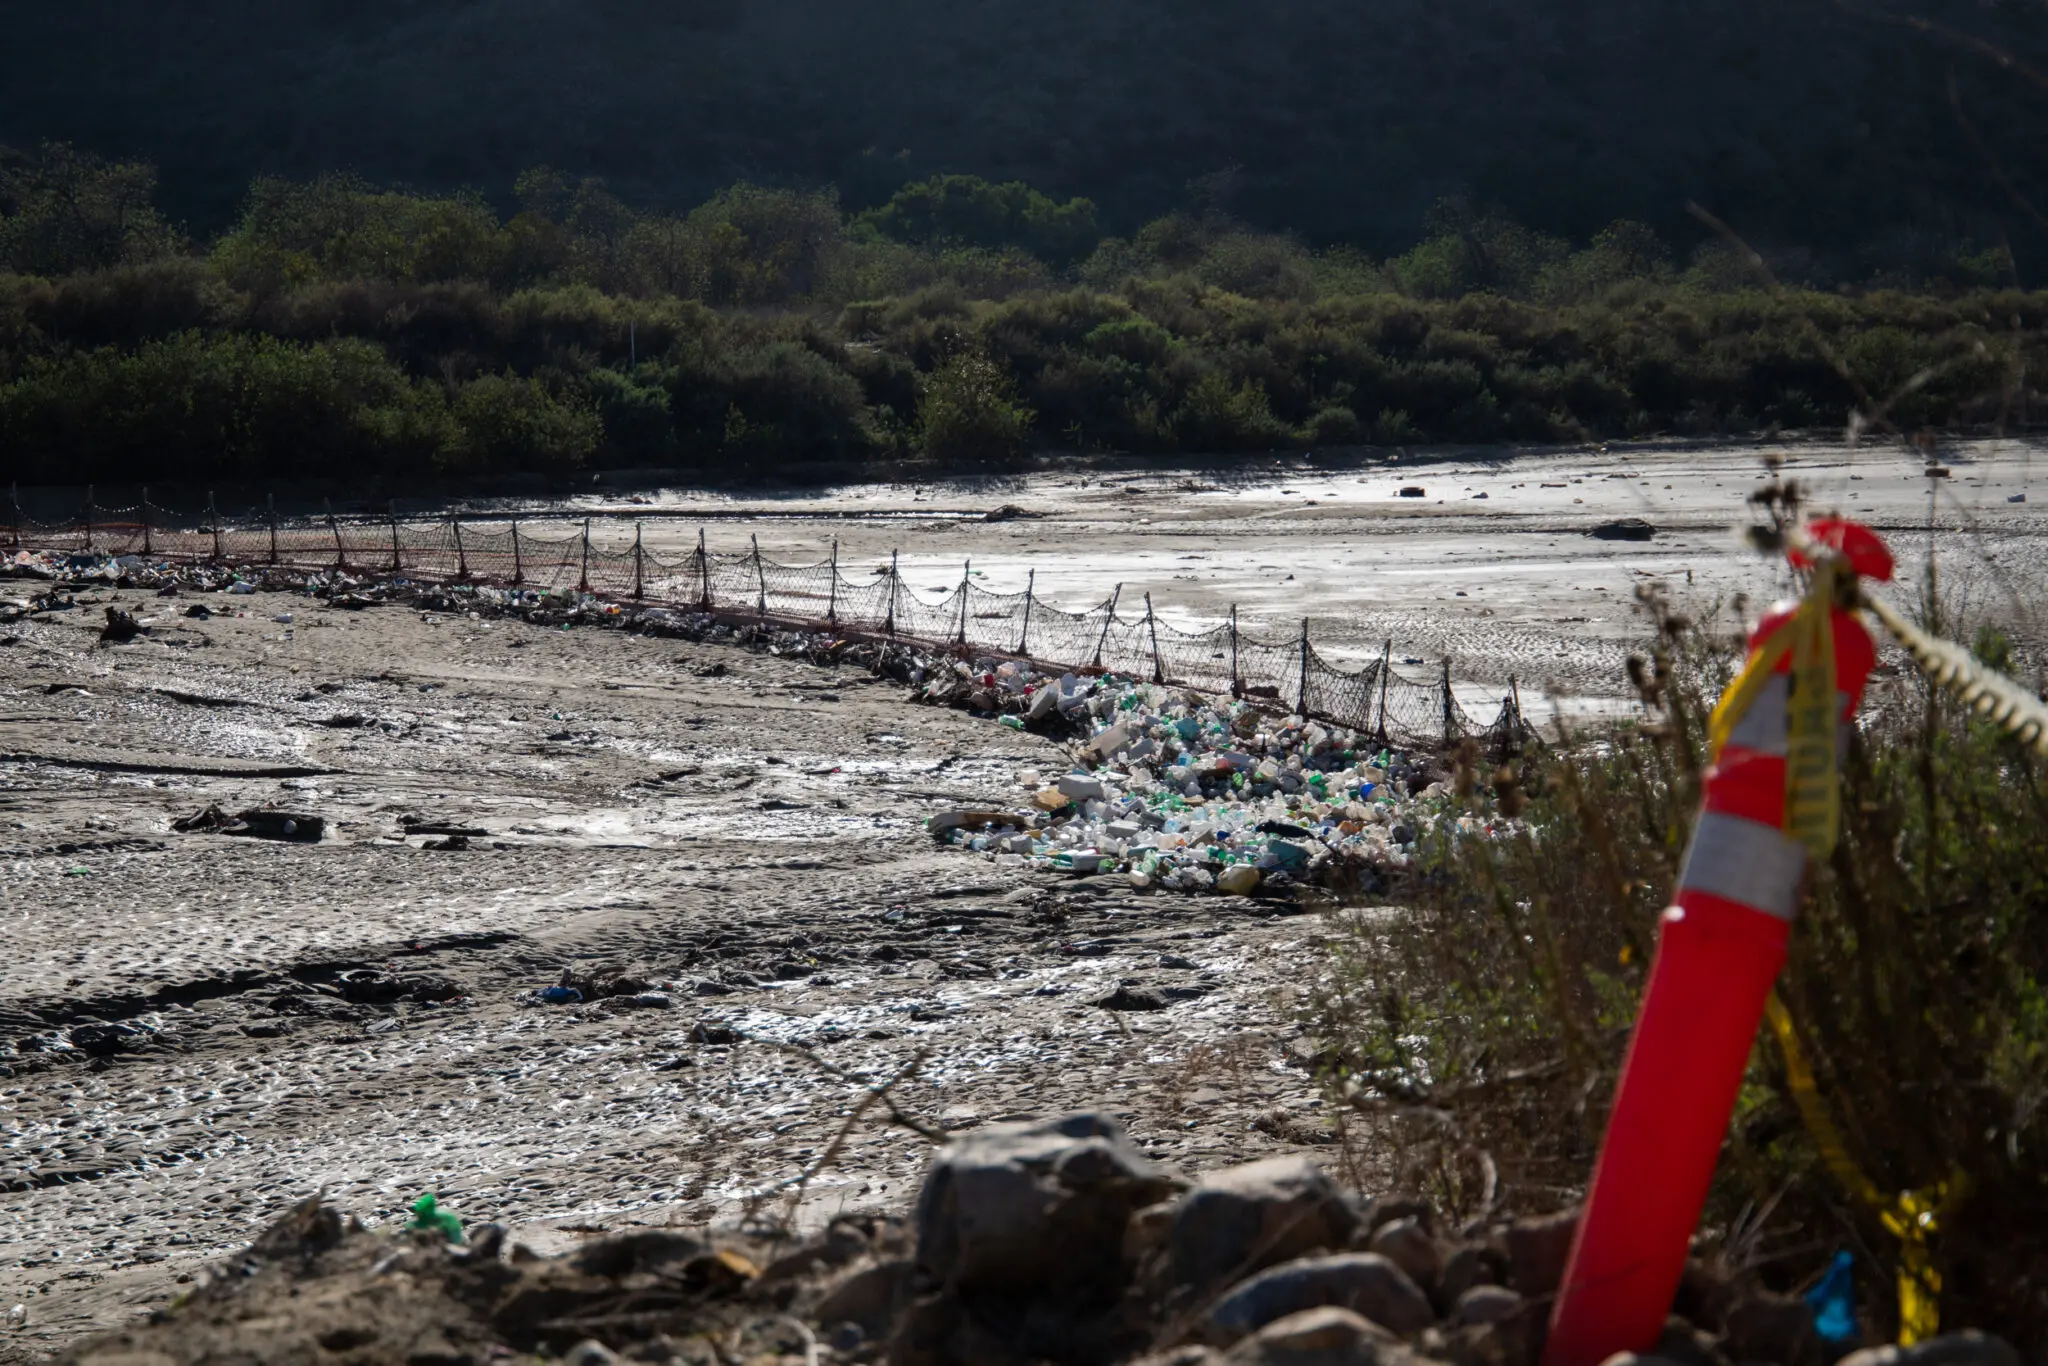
1806	123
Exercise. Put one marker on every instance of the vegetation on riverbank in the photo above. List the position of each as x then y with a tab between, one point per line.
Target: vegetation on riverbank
1488	1027
399	332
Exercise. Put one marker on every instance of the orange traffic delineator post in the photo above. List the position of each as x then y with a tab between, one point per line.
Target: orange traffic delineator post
1769	800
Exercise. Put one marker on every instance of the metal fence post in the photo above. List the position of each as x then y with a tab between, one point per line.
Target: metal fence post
889	623
1302	708
1109	617
1024	631
832	588
397	559
270	508
1386	669
518	563
639	568
87	521
145	519
1152	624
1236	686
461	551
213	516
966	578
334	530
761	579
703	573
1448	703
583	574
14	501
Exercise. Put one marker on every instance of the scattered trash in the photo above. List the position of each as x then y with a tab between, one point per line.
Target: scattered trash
561	996
1936	472
1624	529
1186	793
120	627
1413	491
295	826
1834	1302
429	1217
1008	512
2016	498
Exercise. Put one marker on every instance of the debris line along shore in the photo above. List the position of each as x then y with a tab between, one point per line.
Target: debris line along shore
1121	635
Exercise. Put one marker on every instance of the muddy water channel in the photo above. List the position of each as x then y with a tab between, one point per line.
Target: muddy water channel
197	1028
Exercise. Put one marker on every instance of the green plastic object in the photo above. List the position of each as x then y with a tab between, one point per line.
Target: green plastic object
428	1215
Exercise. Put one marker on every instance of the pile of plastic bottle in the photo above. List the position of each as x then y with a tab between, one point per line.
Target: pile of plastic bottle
1195	794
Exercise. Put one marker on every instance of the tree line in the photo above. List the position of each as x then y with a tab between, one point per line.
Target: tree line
342	324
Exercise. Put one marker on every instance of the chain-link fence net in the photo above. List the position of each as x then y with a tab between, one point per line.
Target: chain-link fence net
1114	637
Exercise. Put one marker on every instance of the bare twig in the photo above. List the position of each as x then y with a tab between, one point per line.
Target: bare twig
880	1089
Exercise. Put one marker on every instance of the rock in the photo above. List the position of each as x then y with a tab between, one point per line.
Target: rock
1328	1336
1132	998
869	1297
1624	529
1148	1231
1765	1327
1385	1209
1361	1281
1484	1304
589	1352
1406	1244
1687	1345
1538	1249
1968	1348
1247	1218
1468	1266
1515	1339
642	1251
1018	1211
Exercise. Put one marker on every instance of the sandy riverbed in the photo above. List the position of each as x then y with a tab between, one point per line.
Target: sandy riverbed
700	814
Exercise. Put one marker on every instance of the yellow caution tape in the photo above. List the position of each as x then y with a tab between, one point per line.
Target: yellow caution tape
1736	701
1812	795
1913	1217
1813	799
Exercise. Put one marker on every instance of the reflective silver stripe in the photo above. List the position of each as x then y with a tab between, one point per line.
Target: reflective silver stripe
1744	861
1762	728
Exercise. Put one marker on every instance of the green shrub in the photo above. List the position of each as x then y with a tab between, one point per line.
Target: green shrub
504	422
242	406
64	210
965	210
1490	1017
340	227
969	411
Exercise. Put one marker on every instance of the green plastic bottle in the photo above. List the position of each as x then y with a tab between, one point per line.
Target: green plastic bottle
429	1216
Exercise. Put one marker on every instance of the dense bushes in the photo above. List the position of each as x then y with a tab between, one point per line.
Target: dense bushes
961	320
1488	1025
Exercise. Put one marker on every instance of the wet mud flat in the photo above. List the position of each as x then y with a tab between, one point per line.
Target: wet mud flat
1488	559
723	849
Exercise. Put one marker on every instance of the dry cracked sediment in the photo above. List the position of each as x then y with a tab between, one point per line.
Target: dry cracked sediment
199	1029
